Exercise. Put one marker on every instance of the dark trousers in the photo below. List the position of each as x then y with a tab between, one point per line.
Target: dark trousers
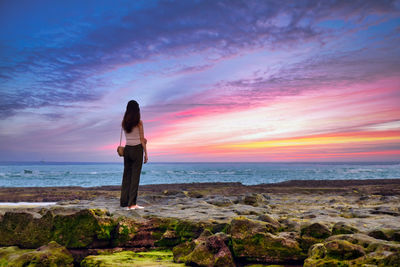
133	160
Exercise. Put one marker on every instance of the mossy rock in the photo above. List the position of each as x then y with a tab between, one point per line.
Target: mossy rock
200	256
170	232
333	253
268	219
354	250
341	228
80	229
381	258
289	224
155	231
343	250
251	241
7	254
129	258
52	255
188	230
379	234
386	234
369	244
395	235
306	242
266	247
242	226
23	230
220	227
207	250
316	230
168	239
124	231
253	199
182	250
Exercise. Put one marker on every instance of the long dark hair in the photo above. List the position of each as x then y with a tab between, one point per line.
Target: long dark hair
131	117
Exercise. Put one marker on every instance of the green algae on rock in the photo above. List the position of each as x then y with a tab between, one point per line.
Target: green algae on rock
24	230
129	258
386	234
81	229
342	228
353	250
207	250
316	230
168	239
269	219
94	228
51	254
124	231
242	226
252	241
7	254
370	244
311	234
343	250
73	229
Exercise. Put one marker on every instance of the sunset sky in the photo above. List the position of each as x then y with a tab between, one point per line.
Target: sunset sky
216	80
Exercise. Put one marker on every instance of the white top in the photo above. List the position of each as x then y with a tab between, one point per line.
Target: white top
133	138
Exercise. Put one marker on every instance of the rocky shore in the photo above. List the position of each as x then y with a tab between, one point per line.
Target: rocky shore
296	223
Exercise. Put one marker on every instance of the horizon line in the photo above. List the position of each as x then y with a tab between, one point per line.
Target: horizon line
171	162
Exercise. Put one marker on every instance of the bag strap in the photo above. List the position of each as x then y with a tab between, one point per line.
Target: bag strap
120	138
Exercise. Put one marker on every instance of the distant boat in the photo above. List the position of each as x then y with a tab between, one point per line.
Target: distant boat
27	171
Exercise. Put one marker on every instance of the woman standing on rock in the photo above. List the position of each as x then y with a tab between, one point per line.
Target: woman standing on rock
133	155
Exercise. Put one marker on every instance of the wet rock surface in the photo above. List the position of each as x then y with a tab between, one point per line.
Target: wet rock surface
131	259
51	254
221	224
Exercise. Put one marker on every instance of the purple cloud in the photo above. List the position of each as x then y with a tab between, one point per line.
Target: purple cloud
61	67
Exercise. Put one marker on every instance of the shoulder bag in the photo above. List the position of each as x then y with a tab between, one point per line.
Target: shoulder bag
120	148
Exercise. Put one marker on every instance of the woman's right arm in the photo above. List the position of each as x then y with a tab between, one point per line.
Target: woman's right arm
143	141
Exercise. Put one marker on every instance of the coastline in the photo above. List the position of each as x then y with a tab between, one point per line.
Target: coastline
54	194
354	221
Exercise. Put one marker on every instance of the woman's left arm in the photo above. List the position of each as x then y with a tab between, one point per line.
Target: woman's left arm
143	141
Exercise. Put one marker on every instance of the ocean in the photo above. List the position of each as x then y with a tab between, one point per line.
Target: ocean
35	174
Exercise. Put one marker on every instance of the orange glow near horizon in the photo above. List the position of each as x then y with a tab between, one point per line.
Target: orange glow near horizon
320	125
330	139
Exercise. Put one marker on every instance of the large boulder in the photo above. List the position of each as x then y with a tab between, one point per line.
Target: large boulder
155	231
94	228
85	228
333	253
51	254
255	241
207	250
25	230
312	234
353	250
73	229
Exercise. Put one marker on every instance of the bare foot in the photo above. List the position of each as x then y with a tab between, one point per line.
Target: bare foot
133	207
